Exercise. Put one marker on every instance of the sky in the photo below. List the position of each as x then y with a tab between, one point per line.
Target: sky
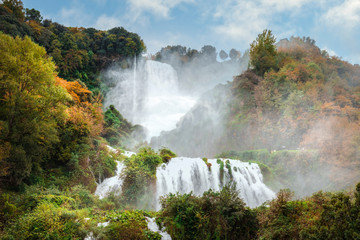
225	24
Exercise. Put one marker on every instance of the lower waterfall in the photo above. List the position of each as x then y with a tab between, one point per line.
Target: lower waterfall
185	175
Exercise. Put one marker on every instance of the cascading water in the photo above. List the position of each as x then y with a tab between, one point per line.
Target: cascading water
148	95
183	175
134	98
112	184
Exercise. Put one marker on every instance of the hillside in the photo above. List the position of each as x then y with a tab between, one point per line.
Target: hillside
292	117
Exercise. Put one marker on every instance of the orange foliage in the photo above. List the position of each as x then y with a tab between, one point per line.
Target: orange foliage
88	116
77	92
36	27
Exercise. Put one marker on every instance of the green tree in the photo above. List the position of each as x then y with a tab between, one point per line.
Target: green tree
31	105
16	7
263	53
33	14
234	54
223	55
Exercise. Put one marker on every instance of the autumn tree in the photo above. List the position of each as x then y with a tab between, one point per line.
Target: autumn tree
263	53
31	105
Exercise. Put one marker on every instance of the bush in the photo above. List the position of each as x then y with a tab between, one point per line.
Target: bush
139	176
215	215
48	221
128	225
166	155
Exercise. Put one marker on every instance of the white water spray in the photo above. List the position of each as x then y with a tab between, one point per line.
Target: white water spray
185	175
149	95
134	99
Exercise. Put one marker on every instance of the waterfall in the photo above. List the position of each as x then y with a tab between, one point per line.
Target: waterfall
134	99
184	175
112	184
149	95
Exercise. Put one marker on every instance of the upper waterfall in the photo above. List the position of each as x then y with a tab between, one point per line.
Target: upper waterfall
148	94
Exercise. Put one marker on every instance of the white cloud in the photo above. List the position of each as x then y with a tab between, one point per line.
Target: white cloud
158	8
346	14
74	17
329	51
105	22
242	20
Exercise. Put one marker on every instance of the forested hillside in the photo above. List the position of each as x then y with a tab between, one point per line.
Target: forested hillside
51	116
79	53
294	111
296	96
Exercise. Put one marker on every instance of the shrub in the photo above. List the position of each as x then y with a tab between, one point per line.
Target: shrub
166	155
48	221
139	176
215	215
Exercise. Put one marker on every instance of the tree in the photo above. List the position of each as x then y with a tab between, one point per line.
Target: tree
31	105
33	14
234	54
16	7
263	53
209	52
223	55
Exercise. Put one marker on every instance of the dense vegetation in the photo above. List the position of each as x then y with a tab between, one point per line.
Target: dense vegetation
298	97
215	215
223	215
79	53
54	136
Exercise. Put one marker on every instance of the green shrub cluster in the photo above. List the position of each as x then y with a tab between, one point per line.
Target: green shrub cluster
215	215
321	216
117	128
129	225
140	176
49	213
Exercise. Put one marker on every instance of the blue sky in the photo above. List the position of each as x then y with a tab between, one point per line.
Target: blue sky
226	24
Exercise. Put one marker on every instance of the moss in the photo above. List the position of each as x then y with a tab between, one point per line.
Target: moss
166	154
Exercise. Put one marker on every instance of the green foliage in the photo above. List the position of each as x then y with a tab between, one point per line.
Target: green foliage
15	7
47	221
31	104
79	53
166	154
215	215
117	128
33	14
7	210
321	216
128	225
263	53
103	163
11	25
221	163
139	177
228	166
207	163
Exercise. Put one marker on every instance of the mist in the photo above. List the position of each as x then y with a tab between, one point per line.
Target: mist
158	94
199	106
